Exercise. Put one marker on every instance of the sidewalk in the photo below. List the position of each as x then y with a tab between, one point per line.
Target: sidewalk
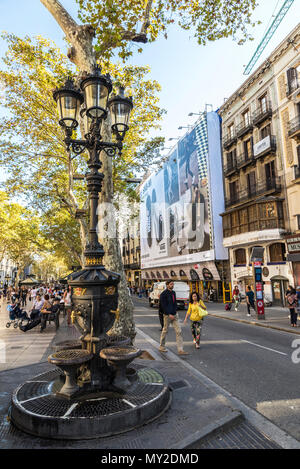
275	317
200	415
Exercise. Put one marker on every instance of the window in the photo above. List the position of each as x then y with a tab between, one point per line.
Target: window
293	78
231	158
251	181
277	252
246	118
231	131
263	103
265	131
233	191
243	216
298	222
270	174
240	257
248	148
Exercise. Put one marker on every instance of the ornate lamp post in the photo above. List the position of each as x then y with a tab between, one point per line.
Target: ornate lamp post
93	393
94	289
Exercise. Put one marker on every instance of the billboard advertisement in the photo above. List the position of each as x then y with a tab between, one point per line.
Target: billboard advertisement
174	212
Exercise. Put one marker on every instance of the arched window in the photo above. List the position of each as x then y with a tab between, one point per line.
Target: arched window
277	252
240	257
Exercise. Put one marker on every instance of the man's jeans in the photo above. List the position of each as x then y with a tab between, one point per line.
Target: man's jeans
167	322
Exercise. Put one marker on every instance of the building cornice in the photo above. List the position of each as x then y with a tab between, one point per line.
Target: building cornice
287	43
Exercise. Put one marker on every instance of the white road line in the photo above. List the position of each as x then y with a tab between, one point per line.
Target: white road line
261	346
281	437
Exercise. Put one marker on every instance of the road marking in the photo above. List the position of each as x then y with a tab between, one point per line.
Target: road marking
261	346
270	429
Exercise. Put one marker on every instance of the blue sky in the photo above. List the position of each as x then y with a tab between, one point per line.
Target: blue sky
190	75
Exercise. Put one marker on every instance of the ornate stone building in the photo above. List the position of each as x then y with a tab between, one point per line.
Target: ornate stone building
260	127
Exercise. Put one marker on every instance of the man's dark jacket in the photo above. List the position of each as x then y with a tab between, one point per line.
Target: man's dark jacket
167	302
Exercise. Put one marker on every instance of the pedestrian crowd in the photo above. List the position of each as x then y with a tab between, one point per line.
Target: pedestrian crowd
37	305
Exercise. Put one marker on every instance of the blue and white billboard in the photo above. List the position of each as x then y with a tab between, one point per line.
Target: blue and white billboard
176	211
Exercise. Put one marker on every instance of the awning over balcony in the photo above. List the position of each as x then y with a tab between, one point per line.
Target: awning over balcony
205	271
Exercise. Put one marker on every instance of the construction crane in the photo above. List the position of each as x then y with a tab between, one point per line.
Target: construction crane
271	30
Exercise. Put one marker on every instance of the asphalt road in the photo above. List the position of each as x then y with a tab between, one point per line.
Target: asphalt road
254	364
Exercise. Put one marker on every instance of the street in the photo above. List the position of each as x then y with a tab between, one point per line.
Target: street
253	363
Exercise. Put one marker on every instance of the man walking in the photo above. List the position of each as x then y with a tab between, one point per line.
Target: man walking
169	308
250	299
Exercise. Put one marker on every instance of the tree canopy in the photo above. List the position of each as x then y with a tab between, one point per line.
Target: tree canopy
118	23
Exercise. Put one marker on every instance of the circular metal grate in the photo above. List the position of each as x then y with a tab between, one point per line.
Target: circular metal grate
70	354
47	406
68	344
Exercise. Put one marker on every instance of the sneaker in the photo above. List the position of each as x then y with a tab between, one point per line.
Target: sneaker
194	341
162	349
182	352
248	315
197	346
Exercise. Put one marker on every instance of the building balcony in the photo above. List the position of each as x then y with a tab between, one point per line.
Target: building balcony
252	232
265	146
244	159
243	128
294	128
229	139
230	167
293	87
261	114
296	173
266	187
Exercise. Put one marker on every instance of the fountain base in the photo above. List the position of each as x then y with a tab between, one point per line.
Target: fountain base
38	409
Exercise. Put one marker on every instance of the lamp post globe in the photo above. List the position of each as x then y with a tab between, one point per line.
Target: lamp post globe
96	88
120	108
68	100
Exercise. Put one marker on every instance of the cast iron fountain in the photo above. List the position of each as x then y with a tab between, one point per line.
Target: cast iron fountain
91	392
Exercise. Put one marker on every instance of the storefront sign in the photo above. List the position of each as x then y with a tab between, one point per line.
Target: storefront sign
262	146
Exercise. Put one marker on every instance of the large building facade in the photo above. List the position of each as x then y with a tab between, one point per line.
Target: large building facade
260	161
180	223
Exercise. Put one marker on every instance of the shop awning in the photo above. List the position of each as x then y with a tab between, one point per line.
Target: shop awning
205	271
293	257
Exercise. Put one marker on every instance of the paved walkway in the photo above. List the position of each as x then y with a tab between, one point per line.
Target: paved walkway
19	348
201	414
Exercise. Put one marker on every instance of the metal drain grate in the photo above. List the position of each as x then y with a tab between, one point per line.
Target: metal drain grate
48	406
100	407
30	390
177	385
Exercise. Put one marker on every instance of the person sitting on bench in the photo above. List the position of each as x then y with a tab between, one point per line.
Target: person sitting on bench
49	312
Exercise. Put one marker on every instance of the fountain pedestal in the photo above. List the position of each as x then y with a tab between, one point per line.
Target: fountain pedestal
119	358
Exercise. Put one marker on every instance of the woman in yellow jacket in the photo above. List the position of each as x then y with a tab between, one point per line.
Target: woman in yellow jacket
196	311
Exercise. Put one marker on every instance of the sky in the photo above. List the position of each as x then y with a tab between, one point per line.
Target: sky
190	75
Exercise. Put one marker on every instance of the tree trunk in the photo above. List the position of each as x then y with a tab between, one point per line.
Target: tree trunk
83	56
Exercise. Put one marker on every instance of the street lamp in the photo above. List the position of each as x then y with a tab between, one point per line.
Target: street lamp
94	289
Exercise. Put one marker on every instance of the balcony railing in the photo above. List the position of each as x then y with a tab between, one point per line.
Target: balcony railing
243	128
271	185
229	139
230	167
294	127
243	159
296	172
265	146
292	87
262	113
254	225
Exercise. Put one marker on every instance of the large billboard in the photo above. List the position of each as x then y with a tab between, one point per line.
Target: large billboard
174	213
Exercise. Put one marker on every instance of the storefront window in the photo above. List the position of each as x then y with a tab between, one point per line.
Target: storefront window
277	252
240	257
